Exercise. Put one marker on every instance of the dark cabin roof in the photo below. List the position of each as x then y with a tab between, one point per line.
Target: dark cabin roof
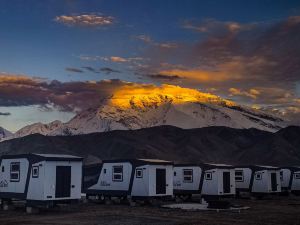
292	168
258	167
140	162
205	166
34	157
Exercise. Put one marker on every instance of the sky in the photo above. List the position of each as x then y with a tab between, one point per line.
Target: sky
58	57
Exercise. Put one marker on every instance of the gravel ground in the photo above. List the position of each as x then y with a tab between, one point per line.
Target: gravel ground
278	210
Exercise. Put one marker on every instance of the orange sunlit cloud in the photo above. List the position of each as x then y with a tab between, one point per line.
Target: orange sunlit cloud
252	93
224	72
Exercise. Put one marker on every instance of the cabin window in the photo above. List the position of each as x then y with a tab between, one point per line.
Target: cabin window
297	175
188	176
104	171
258	176
35	172
208	176
174	174
117	173
15	172
239	175
2	169
139	173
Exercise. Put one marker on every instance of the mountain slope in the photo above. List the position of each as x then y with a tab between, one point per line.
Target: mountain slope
210	144
136	108
4	133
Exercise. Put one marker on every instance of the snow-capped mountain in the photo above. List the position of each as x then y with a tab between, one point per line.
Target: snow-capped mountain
165	105
4	133
40	128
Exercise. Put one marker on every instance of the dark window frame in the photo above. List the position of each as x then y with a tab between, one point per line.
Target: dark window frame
240	176
258	176
208	173
15	172
297	176
185	176
2	169
281	175
139	171
114	173
38	172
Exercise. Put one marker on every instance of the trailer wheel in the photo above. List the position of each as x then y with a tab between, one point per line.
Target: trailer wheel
178	199
108	201
132	203
7	204
32	210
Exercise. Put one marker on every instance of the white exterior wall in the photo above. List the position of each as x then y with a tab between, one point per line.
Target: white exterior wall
265	184
178	182
286	175
140	186
215	185
211	187
295	183
45	185
13	187
152	179
262	185
36	185
105	181
247	173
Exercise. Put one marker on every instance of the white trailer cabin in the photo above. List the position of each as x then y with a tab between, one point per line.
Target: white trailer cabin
133	178
218	181
209	180
258	180
40	179
290	179
187	179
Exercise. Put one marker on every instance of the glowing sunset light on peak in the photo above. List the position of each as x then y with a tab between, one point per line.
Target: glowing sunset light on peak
143	96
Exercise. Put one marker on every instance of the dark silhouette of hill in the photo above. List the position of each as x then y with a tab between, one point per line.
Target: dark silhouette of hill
210	144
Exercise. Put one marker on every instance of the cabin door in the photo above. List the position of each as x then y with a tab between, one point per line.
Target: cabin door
274	181
226	182
63	182
161	181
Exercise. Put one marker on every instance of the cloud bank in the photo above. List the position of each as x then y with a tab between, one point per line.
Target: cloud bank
254	63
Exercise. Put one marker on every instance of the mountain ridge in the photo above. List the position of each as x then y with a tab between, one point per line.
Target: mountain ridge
209	144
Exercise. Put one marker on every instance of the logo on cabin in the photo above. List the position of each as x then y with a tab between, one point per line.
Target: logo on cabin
3	184
104	183
177	184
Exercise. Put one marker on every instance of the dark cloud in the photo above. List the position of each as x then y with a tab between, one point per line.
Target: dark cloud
67	96
163	77
91	69
108	70
74	70
5	113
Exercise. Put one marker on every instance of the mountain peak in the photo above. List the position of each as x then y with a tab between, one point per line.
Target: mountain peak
145	96
4	133
136	106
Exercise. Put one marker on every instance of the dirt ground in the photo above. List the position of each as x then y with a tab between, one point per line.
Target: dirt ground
278	210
